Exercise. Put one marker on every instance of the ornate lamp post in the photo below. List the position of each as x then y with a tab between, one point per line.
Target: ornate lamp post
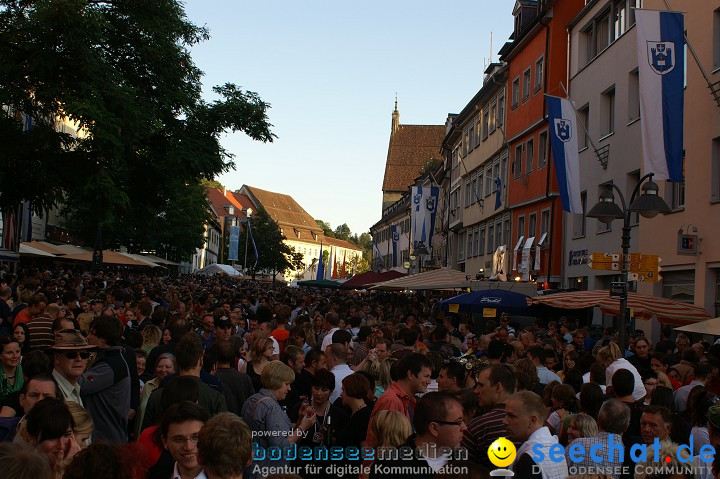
648	204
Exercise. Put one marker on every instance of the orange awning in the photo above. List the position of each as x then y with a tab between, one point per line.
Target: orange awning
643	306
109	257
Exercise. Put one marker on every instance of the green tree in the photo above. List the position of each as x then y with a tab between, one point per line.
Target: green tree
327	229
342	232
121	71
274	255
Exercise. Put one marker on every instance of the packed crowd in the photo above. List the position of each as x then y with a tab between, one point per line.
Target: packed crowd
131	376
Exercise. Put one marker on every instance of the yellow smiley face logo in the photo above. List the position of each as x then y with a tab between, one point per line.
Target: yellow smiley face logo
502	452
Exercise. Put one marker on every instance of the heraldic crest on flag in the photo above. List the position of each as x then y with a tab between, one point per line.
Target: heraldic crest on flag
422	219
661	57
563	129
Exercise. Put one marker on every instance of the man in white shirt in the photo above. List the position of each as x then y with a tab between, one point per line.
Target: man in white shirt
180	430
331	325
680	397
537	355
336	355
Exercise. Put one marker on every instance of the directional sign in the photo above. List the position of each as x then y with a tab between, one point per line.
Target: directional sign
647	265
605	261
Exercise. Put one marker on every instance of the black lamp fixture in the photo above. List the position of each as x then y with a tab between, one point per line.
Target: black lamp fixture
480	274
648	204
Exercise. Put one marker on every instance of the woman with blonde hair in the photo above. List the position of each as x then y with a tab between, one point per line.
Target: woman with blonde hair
380	370
391	428
261	354
611	358
83	424
581	425
164	366
151	336
262	412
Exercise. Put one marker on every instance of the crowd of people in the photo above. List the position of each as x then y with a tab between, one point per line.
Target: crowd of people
132	376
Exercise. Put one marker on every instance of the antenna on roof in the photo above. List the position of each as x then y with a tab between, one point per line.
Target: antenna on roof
395	101
491	48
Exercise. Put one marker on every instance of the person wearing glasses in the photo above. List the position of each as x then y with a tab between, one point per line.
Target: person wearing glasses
438	423
71	352
180	430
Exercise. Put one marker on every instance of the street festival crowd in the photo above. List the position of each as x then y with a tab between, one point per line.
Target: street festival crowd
124	375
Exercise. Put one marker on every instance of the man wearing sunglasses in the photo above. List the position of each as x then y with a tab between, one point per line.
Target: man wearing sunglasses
71	352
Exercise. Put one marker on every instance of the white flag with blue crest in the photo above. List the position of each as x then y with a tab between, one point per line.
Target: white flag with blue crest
563	139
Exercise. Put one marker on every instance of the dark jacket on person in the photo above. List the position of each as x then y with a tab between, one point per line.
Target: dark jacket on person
209	399
106	390
239	384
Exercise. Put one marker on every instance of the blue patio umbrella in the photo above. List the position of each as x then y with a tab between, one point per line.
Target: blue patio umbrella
500	300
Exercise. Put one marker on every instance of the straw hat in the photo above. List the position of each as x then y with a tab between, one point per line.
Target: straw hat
70	339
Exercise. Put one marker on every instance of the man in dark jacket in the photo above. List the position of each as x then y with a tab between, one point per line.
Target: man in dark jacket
106	386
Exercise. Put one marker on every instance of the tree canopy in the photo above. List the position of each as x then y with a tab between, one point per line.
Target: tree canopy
273	254
141	138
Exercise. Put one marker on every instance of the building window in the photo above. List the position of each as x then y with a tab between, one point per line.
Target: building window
477	132
716	38
521	226
603	32
479	184
526	85
468	197
584	118
479	241
529	156
542	149
461	246
608	112
715	181
493	116
517	162
538	74
679	285
488	180
498	235
588	38
579	221
532	225
473	187
515	92
619	17
465	144
472	137
633	95
486	123
500	110
506	232
490	239
544	223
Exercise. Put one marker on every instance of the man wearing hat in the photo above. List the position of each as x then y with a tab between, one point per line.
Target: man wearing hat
703	468
71	352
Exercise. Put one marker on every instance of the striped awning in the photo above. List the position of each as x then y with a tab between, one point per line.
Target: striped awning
643	306
443	278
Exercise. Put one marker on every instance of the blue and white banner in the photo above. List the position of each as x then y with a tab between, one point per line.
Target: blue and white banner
498	193
395	236
320	266
234	242
377	256
563	139
422	218
661	61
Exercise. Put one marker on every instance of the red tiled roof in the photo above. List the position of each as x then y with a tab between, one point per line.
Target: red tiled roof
285	210
219	201
340	243
411	148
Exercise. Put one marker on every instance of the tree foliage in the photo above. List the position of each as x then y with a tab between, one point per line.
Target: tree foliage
144	138
327	229
342	232
273	254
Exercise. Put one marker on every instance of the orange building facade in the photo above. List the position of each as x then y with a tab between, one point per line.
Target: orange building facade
537	62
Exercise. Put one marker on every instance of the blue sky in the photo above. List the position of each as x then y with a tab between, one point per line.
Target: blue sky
330	70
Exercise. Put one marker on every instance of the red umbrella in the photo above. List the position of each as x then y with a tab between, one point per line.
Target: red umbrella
643	306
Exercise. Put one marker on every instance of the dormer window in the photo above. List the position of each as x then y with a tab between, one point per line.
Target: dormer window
297	233
314	235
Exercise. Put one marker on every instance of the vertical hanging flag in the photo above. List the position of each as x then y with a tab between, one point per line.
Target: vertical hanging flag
334	268
563	125
320	269
378	258
395	238
234	242
661	59
498	192
343	271
424	207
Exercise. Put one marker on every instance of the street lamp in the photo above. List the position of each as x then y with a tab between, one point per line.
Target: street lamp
648	204
247	212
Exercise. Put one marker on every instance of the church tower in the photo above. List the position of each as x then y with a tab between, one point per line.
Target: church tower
395	118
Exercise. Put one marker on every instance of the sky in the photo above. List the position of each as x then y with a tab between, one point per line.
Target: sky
330	70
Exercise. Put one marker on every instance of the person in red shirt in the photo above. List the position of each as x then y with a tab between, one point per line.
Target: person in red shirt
36	305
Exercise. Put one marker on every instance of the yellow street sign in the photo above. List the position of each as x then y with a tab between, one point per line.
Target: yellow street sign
489	312
605	261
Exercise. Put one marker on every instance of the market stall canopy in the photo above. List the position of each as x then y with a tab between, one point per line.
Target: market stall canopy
27	250
319	283
710	326
362	280
495	300
142	259
159	260
109	257
44	246
444	278
642	306
216	268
